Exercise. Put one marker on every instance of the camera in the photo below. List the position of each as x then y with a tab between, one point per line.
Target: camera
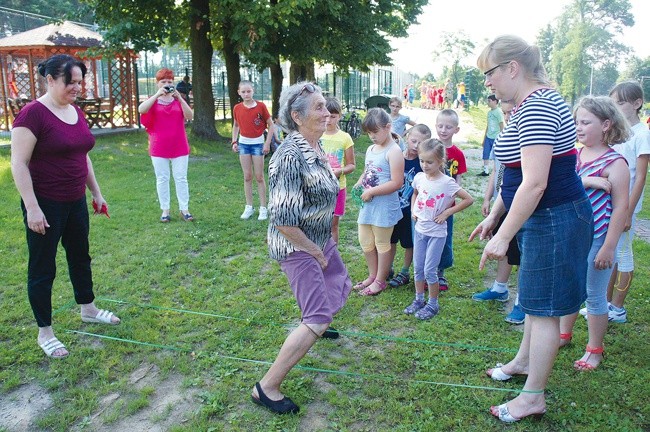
169	89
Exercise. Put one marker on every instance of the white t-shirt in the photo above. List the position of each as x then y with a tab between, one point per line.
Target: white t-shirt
434	197
637	145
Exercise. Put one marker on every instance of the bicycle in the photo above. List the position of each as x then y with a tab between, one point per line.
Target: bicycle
351	123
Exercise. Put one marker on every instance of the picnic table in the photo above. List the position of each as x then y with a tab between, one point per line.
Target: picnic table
96	114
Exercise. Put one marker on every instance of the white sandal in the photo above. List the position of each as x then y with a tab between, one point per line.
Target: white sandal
102	317
51	345
497	374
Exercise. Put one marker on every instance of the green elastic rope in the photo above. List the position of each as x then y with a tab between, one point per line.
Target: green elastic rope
348	333
308	368
64	307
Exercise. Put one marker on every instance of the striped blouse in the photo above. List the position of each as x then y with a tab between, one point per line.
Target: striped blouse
302	193
601	201
543	118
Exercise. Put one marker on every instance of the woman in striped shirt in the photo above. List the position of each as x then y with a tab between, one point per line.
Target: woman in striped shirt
548	212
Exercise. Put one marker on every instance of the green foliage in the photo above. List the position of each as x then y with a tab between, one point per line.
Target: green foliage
639	69
582	42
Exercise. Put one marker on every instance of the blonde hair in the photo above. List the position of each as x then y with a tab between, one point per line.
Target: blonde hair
604	108
437	148
422	129
507	48
396	100
376	119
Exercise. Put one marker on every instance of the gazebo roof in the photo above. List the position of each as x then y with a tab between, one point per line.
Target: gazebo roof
65	34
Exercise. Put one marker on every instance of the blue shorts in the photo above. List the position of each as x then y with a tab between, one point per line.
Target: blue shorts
251	149
487	148
554	244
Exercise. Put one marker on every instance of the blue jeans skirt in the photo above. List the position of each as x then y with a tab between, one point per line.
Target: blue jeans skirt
555	244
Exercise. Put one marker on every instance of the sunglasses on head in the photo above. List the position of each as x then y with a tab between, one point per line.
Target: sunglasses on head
309	87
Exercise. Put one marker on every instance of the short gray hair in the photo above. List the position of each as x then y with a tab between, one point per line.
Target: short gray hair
299	99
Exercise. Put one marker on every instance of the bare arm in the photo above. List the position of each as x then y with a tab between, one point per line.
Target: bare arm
466	200
349	164
23	142
489	192
235	135
300	241
145	106
93	185
619	178
270	126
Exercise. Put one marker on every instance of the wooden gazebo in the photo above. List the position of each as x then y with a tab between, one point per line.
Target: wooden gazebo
109	91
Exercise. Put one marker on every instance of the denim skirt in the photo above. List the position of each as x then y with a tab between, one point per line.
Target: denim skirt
555	244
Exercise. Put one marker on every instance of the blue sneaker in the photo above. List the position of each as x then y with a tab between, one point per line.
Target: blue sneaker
617	316
516	316
488	295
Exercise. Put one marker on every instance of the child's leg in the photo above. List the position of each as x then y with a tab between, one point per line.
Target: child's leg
246	162
258	167
432	260
621	279
367	242
382	245
339	210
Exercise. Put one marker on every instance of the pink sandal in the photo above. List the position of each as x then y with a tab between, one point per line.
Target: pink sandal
364	283
582	365
368	292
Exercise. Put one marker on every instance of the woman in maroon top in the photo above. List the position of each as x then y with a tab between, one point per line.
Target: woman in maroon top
50	141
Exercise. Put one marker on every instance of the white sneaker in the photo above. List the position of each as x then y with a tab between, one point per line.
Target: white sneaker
583	312
264	214
248	212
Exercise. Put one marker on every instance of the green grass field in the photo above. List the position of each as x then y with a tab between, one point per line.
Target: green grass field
204	310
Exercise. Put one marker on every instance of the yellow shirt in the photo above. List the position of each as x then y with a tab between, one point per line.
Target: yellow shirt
335	146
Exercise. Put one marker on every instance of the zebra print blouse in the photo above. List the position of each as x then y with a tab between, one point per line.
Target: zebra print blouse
302	193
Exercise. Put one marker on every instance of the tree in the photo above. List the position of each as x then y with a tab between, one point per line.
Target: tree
639	70
144	25
584	40
455	47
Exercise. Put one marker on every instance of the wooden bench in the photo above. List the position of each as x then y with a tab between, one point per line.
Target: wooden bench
96	115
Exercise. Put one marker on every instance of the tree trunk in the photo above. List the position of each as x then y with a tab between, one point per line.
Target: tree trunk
302	72
276	85
201	47
231	58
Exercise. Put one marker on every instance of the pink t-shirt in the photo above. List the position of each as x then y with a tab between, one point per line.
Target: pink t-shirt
165	125
58	165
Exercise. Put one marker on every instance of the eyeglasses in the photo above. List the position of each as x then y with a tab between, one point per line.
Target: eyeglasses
488	73
309	87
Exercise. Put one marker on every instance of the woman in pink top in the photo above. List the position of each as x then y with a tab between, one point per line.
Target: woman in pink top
164	115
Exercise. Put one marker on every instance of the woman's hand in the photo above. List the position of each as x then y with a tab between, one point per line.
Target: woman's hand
320	257
485	208
484	229
36	220
495	249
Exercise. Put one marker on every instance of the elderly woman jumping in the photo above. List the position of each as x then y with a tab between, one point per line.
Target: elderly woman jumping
302	197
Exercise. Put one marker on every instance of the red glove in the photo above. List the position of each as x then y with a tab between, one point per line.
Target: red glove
103	210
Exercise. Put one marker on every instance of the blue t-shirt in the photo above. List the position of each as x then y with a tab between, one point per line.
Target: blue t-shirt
398	125
411	168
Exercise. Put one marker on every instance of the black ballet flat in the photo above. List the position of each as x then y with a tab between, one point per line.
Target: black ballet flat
283	406
331	333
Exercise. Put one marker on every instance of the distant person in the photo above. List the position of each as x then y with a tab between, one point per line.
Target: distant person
398	121
164	115
251	119
184	87
50	141
494	127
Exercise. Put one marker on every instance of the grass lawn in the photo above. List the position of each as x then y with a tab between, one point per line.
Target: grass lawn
204	310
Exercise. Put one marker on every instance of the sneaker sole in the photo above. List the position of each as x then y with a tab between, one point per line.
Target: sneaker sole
494	299
514	321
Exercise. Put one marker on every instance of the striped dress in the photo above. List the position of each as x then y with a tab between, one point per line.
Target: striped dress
601	201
